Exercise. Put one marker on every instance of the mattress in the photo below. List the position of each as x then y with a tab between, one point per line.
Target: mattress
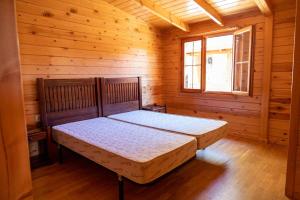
138	153
206	131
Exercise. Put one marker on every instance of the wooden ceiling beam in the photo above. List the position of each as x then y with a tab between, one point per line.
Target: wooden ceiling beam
210	11
264	7
162	13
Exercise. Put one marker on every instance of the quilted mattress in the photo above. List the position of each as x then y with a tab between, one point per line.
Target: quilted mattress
138	153
206	131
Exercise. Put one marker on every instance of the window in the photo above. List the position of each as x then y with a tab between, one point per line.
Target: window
242	60
218	63
192	64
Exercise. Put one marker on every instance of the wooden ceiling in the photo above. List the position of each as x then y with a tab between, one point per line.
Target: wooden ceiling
184	11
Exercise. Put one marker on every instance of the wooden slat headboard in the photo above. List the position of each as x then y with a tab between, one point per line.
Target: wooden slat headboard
68	100
120	95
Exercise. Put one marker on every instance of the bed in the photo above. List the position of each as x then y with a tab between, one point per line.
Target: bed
138	153
122	100
206	131
71	112
101	119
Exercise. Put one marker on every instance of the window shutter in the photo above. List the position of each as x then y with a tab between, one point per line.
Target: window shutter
243	61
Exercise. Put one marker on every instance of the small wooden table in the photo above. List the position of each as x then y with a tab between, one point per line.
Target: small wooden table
155	108
39	136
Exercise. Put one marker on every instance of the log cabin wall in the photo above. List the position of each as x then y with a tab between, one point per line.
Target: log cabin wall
281	76
293	165
85	38
15	176
243	113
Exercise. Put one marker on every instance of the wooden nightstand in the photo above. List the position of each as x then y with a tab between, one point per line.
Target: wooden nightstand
155	108
37	140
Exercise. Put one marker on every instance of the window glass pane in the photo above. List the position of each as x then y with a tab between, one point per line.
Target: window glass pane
188	77
241	79
197	46
197	59
188	59
192	64
219	63
188	47
196	77
242	44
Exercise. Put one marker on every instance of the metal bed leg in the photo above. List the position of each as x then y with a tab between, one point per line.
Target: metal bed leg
121	187
60	153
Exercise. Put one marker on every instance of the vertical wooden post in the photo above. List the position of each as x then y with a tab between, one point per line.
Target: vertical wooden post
52	150
121	187
102	92
15	180
42	101
293	168
99	96
60	153
268	44
140	92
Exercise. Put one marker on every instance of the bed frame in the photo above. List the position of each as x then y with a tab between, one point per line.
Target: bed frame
69	100
120	95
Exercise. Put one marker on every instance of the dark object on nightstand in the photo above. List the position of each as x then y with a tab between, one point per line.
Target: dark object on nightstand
155	108
39	136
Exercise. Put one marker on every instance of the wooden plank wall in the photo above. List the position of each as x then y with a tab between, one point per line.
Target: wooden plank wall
85	38
242	113
15	176
282	62
293	166
297	167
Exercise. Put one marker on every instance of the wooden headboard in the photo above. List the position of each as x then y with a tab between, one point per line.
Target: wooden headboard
68	100
120	95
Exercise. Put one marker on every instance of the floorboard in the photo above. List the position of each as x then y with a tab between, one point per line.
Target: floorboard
232	169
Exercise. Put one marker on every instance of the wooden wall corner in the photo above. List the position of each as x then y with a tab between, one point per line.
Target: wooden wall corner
268	45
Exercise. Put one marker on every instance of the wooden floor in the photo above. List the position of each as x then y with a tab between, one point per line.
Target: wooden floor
230	169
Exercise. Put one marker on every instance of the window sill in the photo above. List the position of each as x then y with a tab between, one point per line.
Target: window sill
199	93
193	91
217	92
